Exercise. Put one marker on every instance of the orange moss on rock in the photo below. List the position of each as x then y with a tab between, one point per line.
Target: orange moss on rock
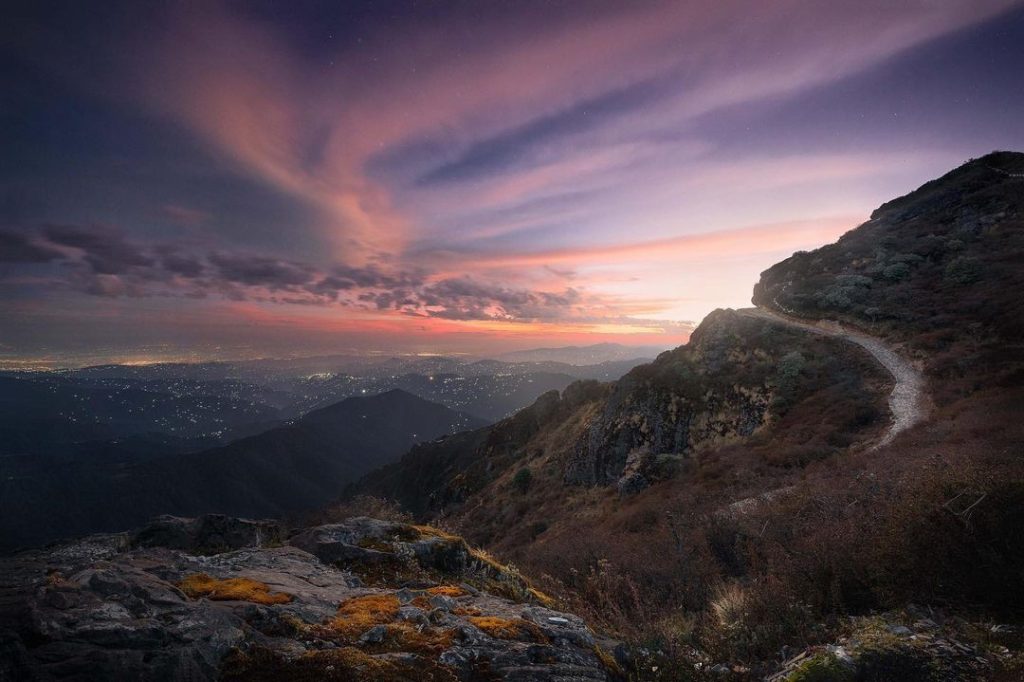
508	628
357	615
231	589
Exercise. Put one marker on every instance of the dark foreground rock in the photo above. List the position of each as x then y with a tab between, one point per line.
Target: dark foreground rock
361	600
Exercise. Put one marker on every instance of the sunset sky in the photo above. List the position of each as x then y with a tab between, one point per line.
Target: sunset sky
230	179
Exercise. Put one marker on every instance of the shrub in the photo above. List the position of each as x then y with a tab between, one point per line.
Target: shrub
896	271
522	480
836	297
963	270
787	376
537	527
905	258
821	668
854	281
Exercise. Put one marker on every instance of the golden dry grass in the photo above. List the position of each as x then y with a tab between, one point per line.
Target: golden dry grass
452	591
408	637
607	660
430	531
231	589
508	628
359	614
542	598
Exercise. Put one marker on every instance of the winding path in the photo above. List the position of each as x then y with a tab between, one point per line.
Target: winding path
908	402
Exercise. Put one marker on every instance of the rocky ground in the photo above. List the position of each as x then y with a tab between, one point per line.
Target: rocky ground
224	598
914	643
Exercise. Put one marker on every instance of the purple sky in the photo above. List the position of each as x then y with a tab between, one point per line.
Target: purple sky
257	178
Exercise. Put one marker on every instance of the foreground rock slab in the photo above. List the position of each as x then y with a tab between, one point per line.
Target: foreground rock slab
361	600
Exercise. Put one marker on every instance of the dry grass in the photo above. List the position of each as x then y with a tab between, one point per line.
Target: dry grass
359	614
608	661
407	637
542	598
508	628
431	531
361	505
231	589
452	591
487	560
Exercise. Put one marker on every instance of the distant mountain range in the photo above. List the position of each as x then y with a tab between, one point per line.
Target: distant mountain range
176	407
294	467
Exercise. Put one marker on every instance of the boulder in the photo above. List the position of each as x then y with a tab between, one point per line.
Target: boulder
209	534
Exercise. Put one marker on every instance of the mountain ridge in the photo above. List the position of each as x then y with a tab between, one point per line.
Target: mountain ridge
789	506
287	469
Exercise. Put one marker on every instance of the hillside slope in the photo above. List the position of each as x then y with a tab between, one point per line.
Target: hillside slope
939	270
740	378
909	402
741	494
290	468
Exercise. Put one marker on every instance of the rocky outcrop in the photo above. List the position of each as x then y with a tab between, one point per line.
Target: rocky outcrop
914	643
359	600
675	405
209	534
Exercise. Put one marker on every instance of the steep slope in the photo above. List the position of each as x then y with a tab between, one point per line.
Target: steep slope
938	270
749	492
908	402
738	376
290	468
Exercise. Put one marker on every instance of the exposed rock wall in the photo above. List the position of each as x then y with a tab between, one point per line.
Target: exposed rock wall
699	395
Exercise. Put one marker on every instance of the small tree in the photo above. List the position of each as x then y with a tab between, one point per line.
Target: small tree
522	480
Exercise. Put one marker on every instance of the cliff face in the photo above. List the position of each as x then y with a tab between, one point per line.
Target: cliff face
703	394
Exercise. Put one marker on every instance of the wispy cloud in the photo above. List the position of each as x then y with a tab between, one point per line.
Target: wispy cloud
544	165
